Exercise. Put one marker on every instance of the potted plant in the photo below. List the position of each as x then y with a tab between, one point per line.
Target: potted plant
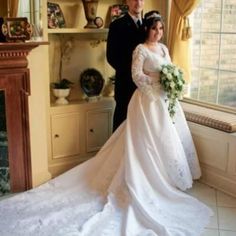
61	89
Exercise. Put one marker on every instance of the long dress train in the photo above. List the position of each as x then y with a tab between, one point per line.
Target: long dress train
134	186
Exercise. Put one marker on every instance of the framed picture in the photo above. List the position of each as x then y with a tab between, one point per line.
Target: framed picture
16	29
118	10
55	16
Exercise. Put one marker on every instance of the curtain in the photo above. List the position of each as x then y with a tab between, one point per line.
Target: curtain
13	7
179	48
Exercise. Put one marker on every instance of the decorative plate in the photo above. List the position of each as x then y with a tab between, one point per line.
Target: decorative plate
55	16
118	10
16	29
91	82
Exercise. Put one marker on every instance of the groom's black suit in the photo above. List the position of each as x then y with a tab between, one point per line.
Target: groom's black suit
123	37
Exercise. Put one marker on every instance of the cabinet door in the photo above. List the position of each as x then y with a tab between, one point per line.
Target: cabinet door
65	135
98	128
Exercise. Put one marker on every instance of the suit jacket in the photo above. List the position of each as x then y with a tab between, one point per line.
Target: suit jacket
122	39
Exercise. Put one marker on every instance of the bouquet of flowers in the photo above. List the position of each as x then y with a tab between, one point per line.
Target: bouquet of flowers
171	79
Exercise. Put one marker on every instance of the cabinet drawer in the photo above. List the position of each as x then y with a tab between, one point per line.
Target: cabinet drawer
98	128
65	135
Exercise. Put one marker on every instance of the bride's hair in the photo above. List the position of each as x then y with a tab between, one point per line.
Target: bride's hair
150	19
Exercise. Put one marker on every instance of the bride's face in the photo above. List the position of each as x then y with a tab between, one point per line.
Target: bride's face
156	32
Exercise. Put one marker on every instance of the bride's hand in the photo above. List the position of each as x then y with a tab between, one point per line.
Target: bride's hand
154	74
151	74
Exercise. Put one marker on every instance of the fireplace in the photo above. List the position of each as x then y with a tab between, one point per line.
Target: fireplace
4	162
15	160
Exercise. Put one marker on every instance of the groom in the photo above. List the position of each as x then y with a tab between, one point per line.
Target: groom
124	35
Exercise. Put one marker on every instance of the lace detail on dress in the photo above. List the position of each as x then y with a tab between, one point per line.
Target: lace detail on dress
146	66
142	80
179	175
187	143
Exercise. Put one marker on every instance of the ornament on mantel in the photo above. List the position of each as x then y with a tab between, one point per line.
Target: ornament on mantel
90	10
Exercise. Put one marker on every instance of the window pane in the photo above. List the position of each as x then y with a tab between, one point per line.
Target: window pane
227	92
210	50
194	89
229	12
228	52
211	15
213	52
196	49
208	85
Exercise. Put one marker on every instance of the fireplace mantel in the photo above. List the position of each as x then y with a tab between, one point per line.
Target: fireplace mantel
15	82
14	55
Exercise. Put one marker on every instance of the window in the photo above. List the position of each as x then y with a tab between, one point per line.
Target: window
214	52
31	10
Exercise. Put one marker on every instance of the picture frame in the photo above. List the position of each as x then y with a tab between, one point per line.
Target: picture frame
16	29
118	10
55	16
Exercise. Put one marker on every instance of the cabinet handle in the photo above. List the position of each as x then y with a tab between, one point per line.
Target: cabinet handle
56	136
91	130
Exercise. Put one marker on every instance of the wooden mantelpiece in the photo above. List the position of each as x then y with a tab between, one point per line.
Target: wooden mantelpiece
14	55
15	82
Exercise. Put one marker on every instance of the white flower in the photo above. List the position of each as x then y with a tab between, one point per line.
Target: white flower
172	84
176	72
169	76
165	71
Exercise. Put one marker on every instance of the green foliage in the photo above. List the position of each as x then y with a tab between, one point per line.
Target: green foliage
62	84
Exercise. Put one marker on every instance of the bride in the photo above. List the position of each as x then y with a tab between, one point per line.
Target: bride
135	184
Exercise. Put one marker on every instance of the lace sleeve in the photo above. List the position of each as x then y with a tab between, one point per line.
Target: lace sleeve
166	51
142	80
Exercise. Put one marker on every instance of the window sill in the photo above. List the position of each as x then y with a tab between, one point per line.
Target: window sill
209	116
213	106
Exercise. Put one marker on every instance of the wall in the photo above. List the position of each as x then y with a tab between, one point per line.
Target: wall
38	113
217	155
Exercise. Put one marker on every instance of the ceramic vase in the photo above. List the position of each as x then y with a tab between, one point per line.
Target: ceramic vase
90	10
61	95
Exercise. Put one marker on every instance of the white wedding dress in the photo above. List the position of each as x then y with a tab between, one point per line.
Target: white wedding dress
132	187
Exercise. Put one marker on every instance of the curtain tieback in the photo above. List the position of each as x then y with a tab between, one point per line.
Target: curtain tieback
186	31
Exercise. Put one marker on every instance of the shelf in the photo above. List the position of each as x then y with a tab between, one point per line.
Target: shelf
82	101
77	31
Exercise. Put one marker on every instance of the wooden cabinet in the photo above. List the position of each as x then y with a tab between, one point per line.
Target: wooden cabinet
78	131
